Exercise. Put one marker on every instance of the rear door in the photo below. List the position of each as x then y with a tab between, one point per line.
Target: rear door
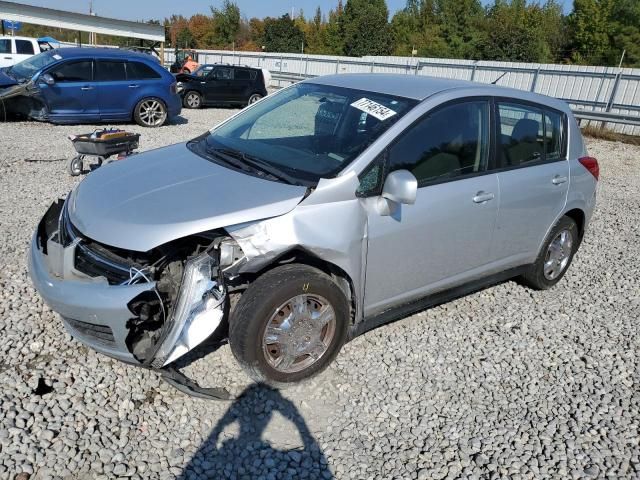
24	49
218	86
6	52
241	85
114	90
534	178
73	96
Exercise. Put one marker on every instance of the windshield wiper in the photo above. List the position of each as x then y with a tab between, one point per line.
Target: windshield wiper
258	164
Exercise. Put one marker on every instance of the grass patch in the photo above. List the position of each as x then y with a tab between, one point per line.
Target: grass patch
606	134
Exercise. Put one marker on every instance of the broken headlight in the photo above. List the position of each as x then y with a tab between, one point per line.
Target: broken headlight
197	312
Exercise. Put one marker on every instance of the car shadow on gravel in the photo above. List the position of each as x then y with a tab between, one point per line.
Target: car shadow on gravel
247	454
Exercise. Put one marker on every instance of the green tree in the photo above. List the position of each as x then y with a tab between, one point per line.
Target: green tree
366	28
282	35
625	33
459	22
334	33
226	23
591	24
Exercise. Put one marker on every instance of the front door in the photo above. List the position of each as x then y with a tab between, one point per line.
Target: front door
73	96
24	50
444	239
6	52
534	180
218	87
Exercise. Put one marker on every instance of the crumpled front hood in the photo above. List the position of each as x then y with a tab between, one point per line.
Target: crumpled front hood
152	198
6	80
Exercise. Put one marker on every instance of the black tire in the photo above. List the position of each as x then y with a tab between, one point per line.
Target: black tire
535	277
254	98
258	303
195	95
76	165
139	112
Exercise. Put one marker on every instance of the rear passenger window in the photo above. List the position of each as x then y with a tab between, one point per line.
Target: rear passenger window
5	45
73	72
24	47
529	135
141	71
521	134
107	71
448	143
242	74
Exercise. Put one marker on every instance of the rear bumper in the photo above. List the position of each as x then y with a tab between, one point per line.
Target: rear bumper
174	105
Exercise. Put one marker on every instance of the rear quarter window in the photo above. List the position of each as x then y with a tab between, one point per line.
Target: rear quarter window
141	71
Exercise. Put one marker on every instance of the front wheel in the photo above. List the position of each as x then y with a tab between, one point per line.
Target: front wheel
555	257
289	325
150	112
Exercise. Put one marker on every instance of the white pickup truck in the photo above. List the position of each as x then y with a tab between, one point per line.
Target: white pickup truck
16	49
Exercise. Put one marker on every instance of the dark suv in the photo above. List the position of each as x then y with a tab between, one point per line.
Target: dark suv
216	84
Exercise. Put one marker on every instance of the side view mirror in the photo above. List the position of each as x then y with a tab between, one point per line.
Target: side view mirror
48	79
400	187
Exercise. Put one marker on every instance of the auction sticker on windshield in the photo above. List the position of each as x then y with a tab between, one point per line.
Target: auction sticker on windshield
374	109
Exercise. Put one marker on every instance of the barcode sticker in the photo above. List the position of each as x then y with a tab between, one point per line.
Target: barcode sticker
374	109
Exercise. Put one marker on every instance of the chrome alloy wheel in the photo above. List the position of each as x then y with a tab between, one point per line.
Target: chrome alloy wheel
558	255
254	98
299	333
193	100
152	113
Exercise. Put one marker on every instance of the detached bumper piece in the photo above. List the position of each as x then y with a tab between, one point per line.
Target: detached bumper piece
180	381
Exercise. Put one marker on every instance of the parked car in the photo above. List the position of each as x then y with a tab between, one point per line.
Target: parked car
16	49
327	209
82	85
217	84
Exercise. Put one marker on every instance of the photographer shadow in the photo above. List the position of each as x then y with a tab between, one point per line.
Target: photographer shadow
248	454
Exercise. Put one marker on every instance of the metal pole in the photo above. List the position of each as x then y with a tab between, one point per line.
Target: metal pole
373	65
337	66
473	72
535	80
162	59
306	66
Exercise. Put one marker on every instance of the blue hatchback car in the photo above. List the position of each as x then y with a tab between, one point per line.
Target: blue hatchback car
83	85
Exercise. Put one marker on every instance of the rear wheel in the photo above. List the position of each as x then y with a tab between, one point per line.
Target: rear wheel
150	112
289	325
254	98
555	257
192	100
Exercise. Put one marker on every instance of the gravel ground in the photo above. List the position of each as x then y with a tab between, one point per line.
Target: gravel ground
503	383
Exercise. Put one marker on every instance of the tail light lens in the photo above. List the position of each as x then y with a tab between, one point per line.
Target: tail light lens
173	88
591	164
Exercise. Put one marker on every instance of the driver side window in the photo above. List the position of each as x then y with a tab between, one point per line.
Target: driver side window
449	142
73	72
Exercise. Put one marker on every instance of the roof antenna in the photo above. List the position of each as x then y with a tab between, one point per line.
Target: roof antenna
499	78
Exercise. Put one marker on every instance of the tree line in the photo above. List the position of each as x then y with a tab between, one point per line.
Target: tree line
595	32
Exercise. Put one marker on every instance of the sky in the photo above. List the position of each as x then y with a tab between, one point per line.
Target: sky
159	9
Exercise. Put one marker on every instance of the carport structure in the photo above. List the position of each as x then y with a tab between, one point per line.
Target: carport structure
81	22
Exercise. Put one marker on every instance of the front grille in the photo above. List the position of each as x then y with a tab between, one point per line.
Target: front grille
100	334
91	261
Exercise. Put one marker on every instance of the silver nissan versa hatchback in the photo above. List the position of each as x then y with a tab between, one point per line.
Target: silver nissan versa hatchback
325	210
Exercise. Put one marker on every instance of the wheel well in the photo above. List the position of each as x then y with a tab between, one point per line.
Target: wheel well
304	257
577	216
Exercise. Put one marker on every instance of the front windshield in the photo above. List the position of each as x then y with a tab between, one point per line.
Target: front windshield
27	68
308	131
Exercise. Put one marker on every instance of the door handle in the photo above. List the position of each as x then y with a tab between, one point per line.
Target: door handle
8	58
134	86
558	180
483	197
86	88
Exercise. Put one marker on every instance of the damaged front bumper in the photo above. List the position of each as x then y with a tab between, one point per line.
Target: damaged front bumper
23	100
100	315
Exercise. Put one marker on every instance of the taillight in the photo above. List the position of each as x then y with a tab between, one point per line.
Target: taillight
173	88
591	164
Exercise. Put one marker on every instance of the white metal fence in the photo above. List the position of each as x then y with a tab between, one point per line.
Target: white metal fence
594	93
